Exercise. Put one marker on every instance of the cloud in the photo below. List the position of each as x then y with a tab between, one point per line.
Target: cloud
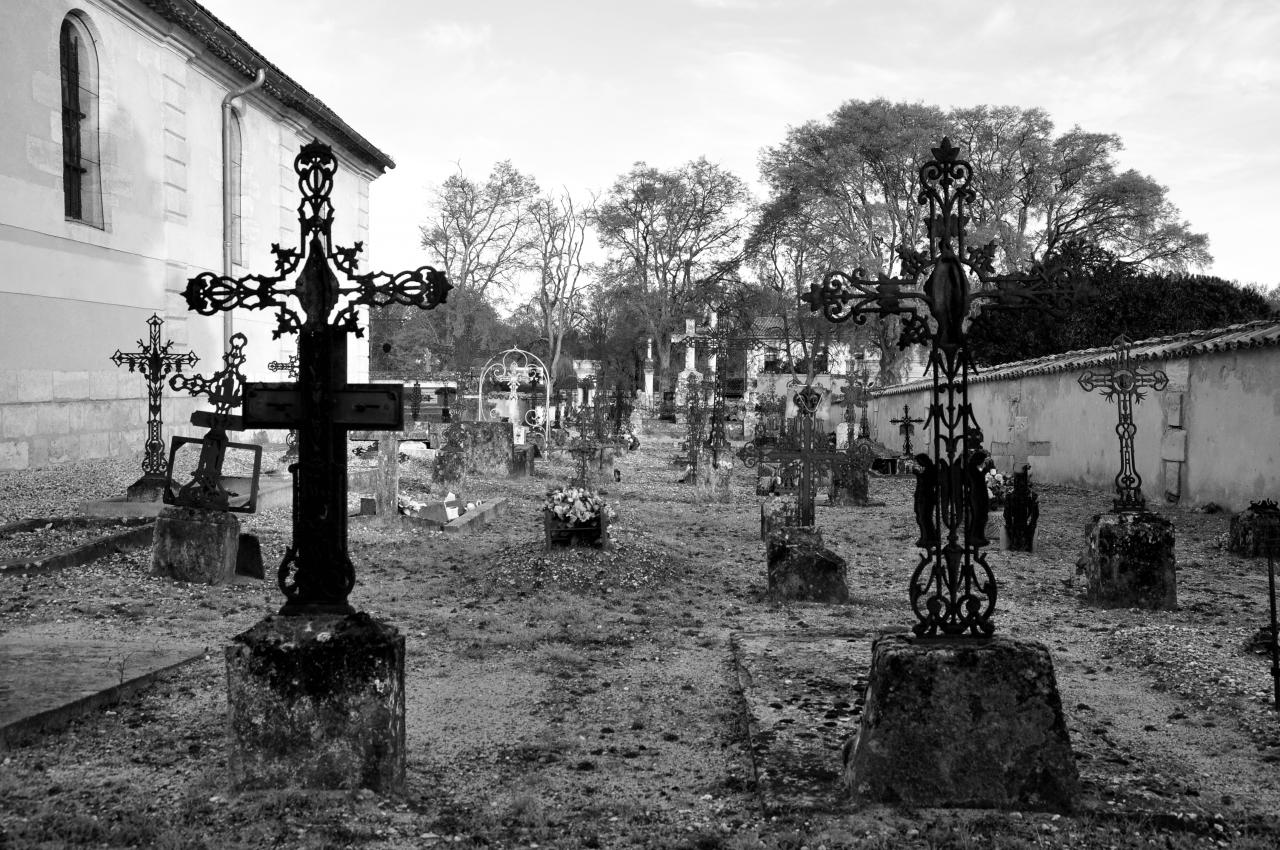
456	37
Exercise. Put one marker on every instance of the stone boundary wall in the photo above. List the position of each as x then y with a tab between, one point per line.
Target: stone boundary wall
55	417
1212	435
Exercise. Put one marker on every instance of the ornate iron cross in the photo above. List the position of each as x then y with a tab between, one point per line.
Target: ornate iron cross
906	427
805	448
154	362
316	574
857	392
225	389
1123	383
953	590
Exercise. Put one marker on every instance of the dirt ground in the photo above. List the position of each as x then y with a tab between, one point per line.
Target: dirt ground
589	699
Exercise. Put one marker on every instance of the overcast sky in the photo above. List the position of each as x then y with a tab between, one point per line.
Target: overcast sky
574	92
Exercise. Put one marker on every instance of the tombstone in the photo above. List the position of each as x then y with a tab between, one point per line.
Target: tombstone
1021	513
1252	528
450	464
154	362
801	569
1129	561
967	719
316	693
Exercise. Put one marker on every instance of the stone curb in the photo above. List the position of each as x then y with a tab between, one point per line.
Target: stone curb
121	541
476	519
56	718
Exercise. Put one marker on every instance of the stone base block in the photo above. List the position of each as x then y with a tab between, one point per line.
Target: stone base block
714	484
960	722
1254	533
249	557
195	544
317	702
777	512
1129	562
802	569
148	488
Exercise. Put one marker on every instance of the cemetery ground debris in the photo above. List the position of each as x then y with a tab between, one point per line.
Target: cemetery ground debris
587	698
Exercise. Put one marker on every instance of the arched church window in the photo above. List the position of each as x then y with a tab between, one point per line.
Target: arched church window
81	166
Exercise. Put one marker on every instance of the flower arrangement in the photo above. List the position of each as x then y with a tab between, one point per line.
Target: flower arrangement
576	505
999	486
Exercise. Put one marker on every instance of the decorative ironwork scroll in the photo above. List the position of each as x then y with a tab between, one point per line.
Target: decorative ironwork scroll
154	361
515	367
317	575
952	590
906	427
225	389
1123	384
290	367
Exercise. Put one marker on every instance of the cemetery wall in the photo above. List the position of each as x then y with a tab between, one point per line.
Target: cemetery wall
72	293
1212	435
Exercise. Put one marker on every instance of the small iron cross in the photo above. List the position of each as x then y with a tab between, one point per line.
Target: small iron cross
154	362
316	575
225	388
906	427
1124	383
953	590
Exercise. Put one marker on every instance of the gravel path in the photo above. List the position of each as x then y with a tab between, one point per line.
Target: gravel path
572	700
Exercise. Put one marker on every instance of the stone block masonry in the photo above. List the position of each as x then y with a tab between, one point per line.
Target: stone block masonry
967	722
192	544
1130	562
317	702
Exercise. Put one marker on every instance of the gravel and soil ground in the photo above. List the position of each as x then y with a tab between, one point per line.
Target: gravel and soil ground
578	699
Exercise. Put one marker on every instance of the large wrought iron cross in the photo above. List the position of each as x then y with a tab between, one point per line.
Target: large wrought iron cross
316	574
906	427
1124	383
154	362
953	590
857	392
805	448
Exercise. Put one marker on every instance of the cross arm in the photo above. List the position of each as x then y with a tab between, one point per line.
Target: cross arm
209	294
426	287
842	296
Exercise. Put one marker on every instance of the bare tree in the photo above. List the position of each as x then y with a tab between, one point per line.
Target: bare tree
675	235
560	230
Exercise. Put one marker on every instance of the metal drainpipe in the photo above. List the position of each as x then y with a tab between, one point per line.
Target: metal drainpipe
228	327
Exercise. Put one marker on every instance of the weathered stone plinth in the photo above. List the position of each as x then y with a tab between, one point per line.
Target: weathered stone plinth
777	512
802	569
148	488
194	544
450	466
962	722
317	702
713	483
1253	531
1129	562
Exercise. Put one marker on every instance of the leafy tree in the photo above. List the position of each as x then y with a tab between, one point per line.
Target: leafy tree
561	231
673	237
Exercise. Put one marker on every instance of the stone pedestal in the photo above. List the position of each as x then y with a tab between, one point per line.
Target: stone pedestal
802	569
962	722
317	702
148	488
1130	561
195	544
713	483
1254	530
776	512
387	493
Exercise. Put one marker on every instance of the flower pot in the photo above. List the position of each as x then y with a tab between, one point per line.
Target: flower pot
561	533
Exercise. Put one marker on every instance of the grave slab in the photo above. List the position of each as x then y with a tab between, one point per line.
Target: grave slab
1130	561
46	680
802	696
317	702
964	722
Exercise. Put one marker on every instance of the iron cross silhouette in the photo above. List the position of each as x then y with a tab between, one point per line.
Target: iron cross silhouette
906	427
953	590
316	575
154	362
1124	383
